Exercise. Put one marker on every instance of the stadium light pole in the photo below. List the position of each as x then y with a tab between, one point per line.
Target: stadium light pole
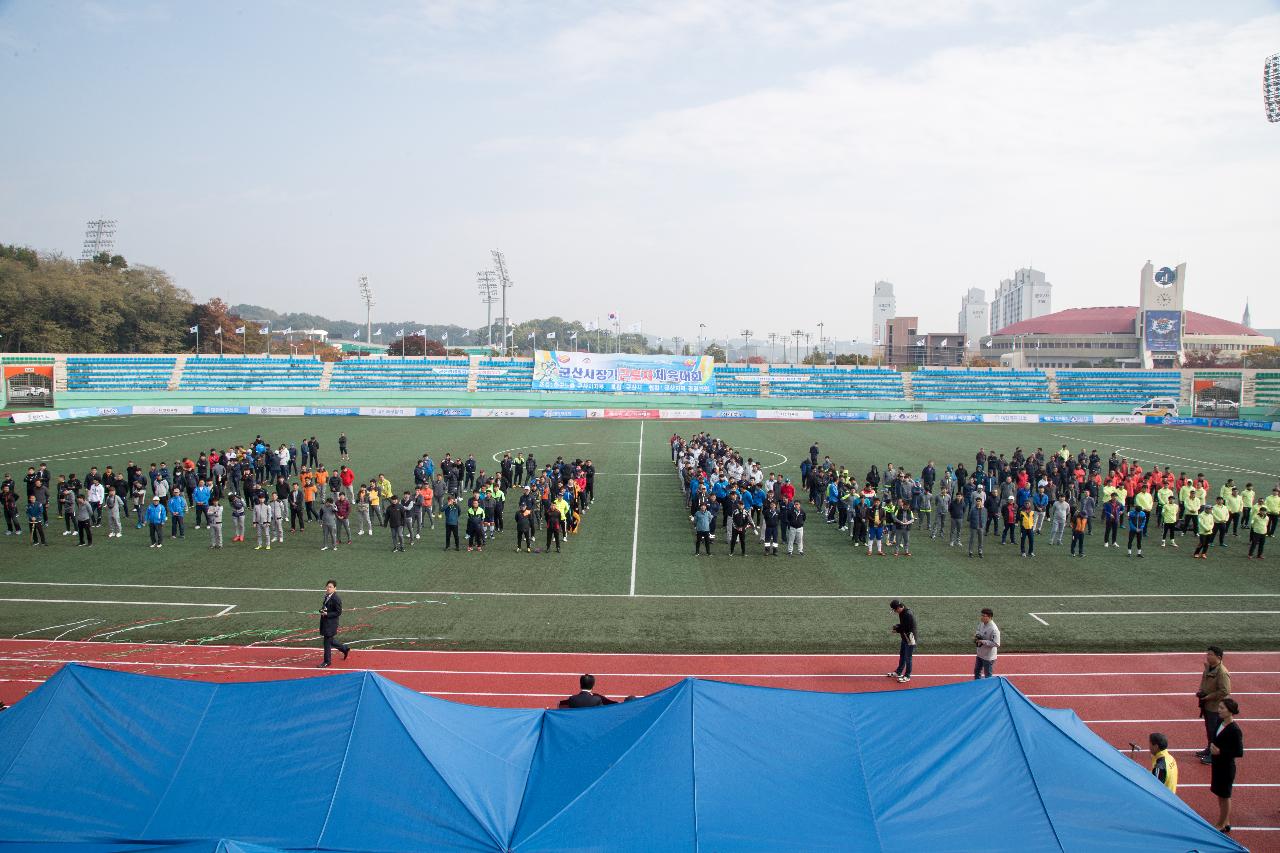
746	343
366	296
797	334
702	327
504	280
773	340
487	281
1271	87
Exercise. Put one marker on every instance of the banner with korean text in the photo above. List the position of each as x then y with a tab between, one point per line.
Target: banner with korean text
556	370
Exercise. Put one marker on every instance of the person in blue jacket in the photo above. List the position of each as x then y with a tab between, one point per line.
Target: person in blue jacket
200	501
1137	527
35	518
156	516
177	512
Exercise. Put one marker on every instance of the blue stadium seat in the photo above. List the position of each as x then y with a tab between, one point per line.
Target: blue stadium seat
247	373
1118	386
126	373
400	374
1018	386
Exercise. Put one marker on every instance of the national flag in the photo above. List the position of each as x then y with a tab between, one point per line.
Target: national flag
194	329
551	336
1037	345
613	315
404	333
288	331
531	334
943	345
920	342
445	336
218	331
240	330
265	330
987	342
573	337
591	325
378	334
422	332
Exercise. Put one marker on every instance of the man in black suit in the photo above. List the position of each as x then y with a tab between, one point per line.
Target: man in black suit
330	613
585	698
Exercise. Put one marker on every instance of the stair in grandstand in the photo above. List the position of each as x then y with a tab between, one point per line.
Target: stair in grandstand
473	373
326	376
59	373
1055	393
1186	390
908	391
175	378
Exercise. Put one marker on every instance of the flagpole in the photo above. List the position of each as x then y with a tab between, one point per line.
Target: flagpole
219	342
197	338
244	339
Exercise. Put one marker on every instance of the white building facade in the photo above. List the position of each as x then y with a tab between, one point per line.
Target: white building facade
884	307
1024	297
974	317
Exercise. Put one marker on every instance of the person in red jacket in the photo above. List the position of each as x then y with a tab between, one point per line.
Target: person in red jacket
348	478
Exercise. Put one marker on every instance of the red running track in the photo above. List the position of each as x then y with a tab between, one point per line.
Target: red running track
1121	697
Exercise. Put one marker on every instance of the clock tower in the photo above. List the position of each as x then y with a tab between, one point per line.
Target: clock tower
1160	315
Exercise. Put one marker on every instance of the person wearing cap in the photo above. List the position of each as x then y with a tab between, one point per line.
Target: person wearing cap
907	635
156	517
1163	765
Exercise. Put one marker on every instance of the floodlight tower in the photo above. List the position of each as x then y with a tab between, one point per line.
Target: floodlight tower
1271	87
797	334
487	282
99	236
504	280
366	296
746	343
773	340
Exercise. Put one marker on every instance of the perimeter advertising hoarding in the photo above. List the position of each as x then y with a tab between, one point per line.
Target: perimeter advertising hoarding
1163	332
557	370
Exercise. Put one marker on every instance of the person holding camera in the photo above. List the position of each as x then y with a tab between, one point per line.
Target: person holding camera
987	640
1215	685
907	633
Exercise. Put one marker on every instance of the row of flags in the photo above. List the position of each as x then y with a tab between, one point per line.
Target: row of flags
240	330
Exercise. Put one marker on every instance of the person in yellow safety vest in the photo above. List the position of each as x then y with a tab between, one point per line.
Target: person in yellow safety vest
1235	504
1163	495
1258	529
1144	500
1248	497
563	505
1169	516
1163	765
1221	515
1272	503
1191	506
1122	495
1226	488
1204	527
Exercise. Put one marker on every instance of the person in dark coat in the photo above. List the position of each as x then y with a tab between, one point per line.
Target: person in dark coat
1227	746
585	697
330	614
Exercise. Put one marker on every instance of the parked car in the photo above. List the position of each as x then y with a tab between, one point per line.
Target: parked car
29	392
1218	405
1158	407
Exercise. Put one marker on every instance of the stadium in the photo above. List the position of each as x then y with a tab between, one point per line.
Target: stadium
273	581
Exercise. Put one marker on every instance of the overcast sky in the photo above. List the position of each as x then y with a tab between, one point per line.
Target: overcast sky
744	165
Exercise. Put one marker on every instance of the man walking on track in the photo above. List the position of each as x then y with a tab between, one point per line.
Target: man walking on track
906	631
330	614
987	639
1215	685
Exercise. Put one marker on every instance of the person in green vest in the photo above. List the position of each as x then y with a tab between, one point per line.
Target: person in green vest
517	469
1204	527
1272	503
1163	495
1221	516
1247	497
1191	506
1144	500
1169	516
1235	504
1225	491
1258	530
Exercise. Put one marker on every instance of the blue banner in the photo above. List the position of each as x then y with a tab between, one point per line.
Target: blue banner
333	410
557	370
1163	331
557	413
954	418
221	410
444	413
842	416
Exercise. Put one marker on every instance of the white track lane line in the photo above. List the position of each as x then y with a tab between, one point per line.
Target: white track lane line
635	528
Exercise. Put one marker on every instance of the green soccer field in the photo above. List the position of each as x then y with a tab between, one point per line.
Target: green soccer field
628	581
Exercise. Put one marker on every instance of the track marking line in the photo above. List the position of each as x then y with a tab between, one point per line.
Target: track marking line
1036	616
1199	720
635	527
733	596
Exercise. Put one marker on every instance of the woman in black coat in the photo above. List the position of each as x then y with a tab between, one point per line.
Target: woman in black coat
1226	747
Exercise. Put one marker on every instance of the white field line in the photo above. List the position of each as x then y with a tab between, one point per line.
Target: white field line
1036	616
1199	720
635	527
1147	453
734	596
71	453
574	673
226	608
1199	656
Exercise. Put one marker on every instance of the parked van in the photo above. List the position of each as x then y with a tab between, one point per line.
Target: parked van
1158	407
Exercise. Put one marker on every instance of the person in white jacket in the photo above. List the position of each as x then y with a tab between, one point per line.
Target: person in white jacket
262	523
987	639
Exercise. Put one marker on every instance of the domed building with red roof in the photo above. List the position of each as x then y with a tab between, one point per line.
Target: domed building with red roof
1157	333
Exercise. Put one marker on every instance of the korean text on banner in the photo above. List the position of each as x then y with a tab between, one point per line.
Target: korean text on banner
557	370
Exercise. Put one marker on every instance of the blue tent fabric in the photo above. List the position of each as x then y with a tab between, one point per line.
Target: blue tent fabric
98	761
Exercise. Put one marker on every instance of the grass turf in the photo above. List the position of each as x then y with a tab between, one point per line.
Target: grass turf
832	600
